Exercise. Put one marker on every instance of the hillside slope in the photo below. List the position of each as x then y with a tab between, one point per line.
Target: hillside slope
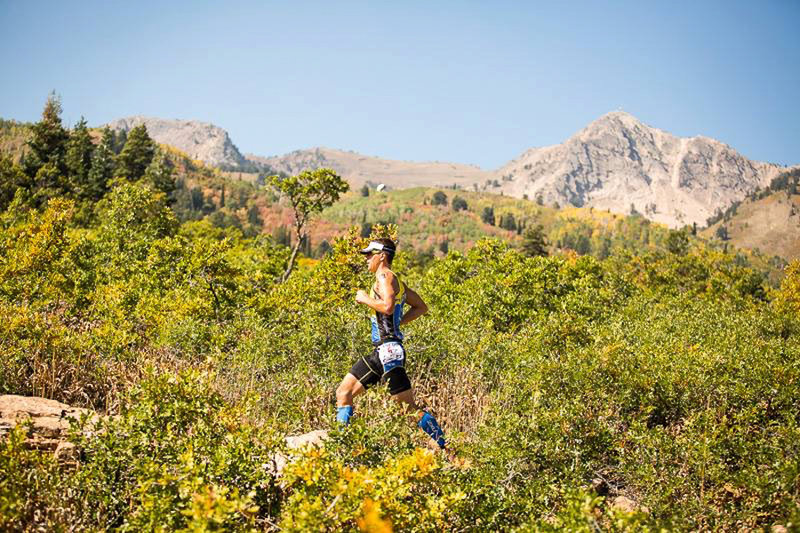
768	219
359	169
770	224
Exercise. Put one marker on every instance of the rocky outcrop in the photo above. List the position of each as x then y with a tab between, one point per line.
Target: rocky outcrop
621	164
200	140
49	422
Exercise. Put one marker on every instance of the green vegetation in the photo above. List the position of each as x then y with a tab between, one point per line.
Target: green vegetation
662	368
308	193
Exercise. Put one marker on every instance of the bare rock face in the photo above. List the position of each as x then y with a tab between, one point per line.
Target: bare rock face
620	164
50	422
200	140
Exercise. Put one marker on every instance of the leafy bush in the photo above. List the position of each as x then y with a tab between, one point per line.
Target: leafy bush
177	457
665	372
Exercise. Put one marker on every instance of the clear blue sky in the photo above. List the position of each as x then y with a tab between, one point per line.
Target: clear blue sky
471	82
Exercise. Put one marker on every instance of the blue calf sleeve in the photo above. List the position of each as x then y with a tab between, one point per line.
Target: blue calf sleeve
429	425
343	414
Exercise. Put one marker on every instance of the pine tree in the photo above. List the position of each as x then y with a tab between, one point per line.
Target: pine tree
488	215
11	178
507	222
439	198
306	247
102	168
159	174
254	216
534	242
137	154
79	157
48	146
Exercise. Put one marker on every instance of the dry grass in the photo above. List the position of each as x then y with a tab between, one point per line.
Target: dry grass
770	225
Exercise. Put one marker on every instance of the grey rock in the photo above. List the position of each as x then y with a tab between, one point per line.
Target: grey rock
296	442
617	162
199	140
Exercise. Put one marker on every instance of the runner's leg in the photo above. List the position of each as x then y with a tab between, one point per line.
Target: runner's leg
348	389
425	421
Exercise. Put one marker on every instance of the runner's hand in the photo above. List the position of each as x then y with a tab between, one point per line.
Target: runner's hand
361	296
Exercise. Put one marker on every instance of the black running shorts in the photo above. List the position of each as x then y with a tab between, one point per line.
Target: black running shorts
369	370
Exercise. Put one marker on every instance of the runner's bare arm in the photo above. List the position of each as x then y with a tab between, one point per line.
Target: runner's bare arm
418	307
386	288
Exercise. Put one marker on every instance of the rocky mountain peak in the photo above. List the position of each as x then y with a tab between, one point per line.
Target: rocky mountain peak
200	140
623	165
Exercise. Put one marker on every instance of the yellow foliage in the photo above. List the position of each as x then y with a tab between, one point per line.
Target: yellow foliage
372	522
326	495
788	297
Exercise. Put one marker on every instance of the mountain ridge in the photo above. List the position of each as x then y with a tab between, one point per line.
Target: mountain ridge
359	169
616	162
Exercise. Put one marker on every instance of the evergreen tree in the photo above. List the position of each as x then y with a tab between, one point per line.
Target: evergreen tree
79	157
159	174
11	178
137	154
365	190
605	248
48	146
583	245
534	242
254	216
324	248
102	168
488	215
366	229
439	198
507	222
678	242
198	199
459	204
282	236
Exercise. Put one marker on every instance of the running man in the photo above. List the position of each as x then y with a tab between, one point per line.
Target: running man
387	361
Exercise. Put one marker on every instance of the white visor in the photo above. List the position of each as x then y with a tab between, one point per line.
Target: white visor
377	247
